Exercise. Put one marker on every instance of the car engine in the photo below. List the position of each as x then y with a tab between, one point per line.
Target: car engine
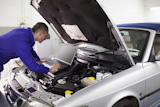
75	77
89	67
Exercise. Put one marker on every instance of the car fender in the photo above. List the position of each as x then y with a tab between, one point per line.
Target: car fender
111	89
122	95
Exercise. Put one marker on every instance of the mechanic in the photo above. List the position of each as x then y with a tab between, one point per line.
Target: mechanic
19	43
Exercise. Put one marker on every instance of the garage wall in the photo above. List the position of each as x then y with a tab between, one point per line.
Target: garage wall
152	16
9	10
125	11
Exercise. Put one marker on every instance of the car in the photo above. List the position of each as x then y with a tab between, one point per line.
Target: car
102	65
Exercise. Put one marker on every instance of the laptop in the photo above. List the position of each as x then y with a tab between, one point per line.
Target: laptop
64	57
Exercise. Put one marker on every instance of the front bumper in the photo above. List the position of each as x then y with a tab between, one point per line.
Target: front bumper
14	99
17	97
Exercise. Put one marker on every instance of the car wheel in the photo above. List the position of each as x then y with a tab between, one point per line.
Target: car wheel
124	103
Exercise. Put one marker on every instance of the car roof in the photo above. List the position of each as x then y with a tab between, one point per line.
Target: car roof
153	26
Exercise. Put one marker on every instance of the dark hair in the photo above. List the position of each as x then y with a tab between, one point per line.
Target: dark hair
39	26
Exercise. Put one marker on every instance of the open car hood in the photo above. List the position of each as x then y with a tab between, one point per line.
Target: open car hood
82	21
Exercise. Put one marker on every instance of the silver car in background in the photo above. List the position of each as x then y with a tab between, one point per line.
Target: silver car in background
102	65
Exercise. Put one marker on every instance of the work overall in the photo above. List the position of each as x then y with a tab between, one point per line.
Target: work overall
1	69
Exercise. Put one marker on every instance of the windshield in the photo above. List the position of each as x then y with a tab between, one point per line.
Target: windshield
136	41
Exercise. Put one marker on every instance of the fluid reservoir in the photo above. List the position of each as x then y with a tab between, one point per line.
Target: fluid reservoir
88	81
68	93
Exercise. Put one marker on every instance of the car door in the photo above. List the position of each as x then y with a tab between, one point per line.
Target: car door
152	74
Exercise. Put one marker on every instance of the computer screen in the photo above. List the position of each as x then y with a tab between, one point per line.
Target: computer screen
66	53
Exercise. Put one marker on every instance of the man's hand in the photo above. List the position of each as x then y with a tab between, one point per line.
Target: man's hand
54	68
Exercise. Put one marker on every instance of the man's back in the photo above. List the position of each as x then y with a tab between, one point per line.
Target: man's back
10	40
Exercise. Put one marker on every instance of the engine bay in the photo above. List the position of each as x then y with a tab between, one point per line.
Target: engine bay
76	76
89	67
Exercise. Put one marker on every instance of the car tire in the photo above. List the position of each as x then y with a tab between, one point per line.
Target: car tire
124	103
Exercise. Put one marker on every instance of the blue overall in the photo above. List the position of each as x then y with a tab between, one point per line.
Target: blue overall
19	43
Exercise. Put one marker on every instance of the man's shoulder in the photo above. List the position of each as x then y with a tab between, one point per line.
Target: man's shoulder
21	34
22	30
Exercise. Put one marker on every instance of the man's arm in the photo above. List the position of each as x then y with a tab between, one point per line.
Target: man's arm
35	55
24	51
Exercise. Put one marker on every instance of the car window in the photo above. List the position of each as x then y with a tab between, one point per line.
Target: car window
136	41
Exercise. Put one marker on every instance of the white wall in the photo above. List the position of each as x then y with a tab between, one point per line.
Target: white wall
152	16
128	11
125	11
10	10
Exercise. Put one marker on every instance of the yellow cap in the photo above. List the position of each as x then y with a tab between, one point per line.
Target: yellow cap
91	78
68	92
